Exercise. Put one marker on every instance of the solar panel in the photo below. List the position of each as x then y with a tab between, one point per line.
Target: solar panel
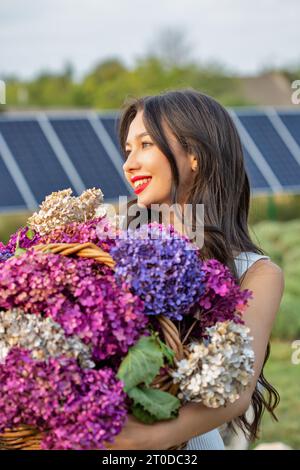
258	182
292	122
41	153
34	156
10	196
89	156
110	124
273	148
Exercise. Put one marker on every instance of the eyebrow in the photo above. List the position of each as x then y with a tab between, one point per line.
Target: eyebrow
139	135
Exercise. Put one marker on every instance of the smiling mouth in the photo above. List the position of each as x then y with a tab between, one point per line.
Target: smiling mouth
142	186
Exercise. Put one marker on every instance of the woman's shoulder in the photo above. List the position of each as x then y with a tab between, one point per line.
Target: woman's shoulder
250	256
247	259
257	264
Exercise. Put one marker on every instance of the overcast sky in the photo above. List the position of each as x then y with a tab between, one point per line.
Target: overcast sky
243	35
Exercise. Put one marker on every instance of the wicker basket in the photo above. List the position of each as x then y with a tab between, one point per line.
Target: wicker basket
28	438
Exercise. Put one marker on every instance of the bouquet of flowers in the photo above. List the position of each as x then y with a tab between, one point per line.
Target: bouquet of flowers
98	322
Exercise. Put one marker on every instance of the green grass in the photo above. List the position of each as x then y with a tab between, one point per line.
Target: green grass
285	377
10	223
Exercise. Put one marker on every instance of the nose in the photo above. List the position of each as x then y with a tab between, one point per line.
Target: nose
131	163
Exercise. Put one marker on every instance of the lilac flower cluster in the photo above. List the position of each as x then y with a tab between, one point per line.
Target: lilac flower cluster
25	241
81	295
161	268
74	408
223	298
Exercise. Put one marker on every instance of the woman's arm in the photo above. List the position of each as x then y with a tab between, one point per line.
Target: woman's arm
266	280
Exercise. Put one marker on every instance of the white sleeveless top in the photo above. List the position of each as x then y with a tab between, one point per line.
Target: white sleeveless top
212	440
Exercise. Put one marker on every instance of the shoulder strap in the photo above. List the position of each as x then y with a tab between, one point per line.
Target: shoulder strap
245	259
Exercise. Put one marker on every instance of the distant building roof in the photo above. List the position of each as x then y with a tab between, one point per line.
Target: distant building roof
269	89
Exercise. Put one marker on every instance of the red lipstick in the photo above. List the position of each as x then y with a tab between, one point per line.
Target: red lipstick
141	188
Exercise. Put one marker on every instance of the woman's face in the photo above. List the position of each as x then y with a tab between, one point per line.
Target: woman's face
145	159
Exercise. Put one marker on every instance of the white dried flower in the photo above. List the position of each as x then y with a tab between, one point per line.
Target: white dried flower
61	208
216	373
42	336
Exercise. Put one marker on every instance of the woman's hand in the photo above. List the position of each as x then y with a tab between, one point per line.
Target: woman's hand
136	435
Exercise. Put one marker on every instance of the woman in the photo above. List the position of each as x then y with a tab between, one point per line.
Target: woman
186	147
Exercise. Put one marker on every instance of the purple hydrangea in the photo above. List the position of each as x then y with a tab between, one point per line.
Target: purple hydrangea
223	298
26	238
79	294
161	268
74	408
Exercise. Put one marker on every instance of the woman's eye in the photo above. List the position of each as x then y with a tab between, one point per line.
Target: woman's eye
127	152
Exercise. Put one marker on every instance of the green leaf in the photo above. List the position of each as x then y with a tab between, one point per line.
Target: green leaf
141	364
160	405
19	251
142	415
167	352
30	234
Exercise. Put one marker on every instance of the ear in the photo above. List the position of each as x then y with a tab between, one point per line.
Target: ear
193	163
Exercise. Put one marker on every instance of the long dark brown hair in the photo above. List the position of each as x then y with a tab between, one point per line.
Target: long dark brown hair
205	129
